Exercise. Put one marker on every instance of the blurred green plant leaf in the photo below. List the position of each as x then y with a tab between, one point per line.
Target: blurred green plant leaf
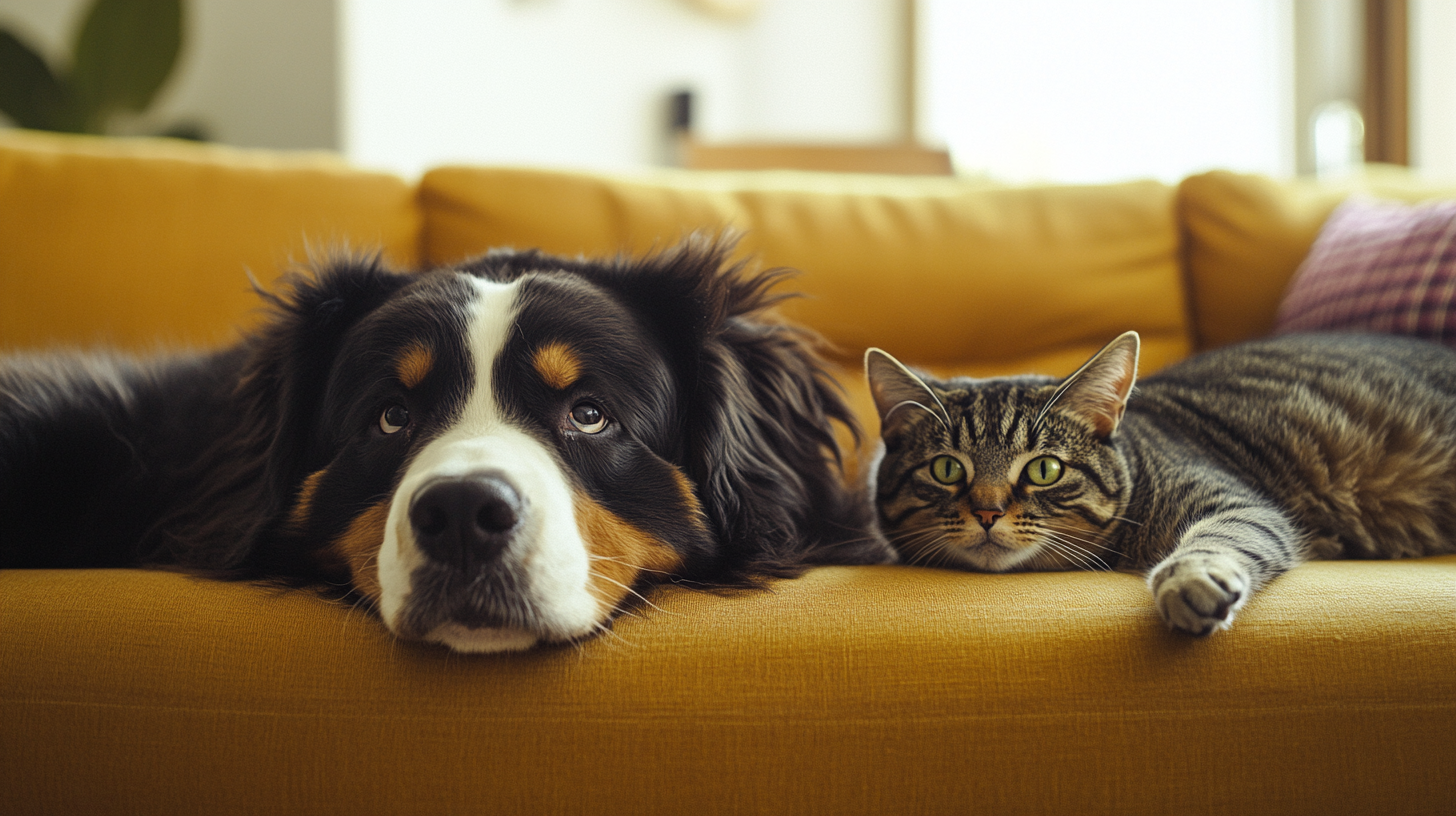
29	93
124	51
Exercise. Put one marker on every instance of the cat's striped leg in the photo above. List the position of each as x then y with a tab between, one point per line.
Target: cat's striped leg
1220	560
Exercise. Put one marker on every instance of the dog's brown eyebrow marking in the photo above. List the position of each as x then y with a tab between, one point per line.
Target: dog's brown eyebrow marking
619	552
358	547
558	365
414	365
303	505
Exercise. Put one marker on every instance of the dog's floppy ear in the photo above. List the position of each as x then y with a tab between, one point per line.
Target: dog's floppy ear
293	354
283	368
759	411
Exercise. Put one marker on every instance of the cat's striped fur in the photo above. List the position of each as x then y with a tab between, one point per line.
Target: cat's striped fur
1214	476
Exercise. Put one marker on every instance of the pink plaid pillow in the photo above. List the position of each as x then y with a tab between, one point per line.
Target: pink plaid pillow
1378	266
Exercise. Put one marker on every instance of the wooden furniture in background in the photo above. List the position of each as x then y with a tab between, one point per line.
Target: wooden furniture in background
1387	81
904	159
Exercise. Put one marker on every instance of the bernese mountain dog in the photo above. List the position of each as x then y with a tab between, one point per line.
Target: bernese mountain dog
492	455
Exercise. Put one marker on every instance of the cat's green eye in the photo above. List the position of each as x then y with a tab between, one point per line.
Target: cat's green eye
1044	470
947	470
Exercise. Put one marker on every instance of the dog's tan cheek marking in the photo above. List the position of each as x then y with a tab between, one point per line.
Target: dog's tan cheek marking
558	365
619	552
358	548
303	505
414	365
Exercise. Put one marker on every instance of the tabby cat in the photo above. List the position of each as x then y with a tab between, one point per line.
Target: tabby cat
1215	476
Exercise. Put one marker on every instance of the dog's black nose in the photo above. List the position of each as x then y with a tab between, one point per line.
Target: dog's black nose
466	520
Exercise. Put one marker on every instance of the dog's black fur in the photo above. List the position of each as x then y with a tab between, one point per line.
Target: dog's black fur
198	461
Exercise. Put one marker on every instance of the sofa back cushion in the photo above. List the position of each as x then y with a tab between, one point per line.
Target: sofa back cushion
1245	235
148	243
954	275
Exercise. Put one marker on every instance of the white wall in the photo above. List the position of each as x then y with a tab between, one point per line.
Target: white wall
822	69
583	83
1060	89
265	73
255	73
1074	91
576	83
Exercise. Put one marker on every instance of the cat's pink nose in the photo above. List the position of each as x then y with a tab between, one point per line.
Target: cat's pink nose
988	517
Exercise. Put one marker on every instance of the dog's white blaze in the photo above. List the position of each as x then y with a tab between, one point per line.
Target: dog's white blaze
550	555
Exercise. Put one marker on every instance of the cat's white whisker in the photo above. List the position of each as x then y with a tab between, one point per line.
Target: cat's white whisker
948	550
1056	547
930	546
1071	555
915	539
916	531
1067	546
1093	560
1045	558
1085	556
1078	535
926	551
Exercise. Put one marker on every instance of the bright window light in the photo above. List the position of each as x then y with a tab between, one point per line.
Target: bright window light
1072	91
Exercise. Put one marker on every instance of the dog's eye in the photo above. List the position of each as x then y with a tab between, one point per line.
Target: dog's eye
394	418
587	418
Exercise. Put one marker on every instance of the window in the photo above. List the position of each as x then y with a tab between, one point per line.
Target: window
1061	90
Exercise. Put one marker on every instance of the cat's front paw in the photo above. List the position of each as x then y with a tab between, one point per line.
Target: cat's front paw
1199	592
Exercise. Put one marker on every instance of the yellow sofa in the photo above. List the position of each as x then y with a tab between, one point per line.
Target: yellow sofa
851	690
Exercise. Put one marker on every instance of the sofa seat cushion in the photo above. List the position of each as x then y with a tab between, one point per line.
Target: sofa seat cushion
148	243
852	690
939	272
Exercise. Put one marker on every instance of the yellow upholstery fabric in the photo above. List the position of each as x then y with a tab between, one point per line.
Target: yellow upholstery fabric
147	243
1246	235
938	272
853	690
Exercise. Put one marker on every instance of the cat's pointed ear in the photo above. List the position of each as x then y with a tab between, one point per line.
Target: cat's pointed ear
1098	391
898	390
